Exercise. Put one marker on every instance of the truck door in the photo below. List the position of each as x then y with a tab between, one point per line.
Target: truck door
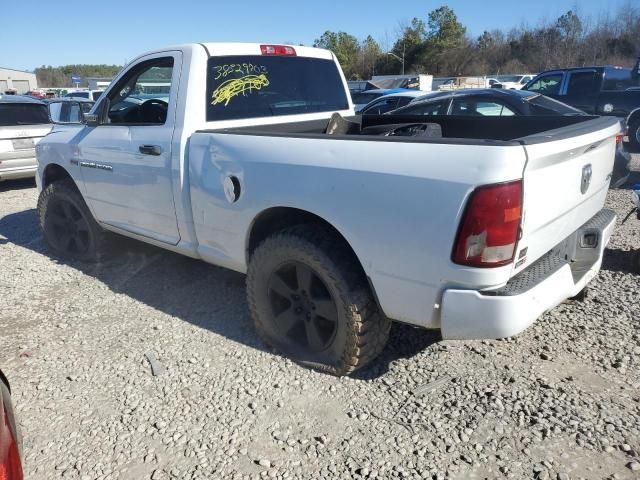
126	158
582	89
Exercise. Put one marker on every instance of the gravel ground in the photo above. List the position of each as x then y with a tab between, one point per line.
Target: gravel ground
562	400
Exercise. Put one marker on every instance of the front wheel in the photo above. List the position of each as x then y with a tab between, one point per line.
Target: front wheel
68	227
309	299
635	262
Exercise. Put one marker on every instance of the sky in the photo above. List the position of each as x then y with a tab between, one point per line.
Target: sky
112	32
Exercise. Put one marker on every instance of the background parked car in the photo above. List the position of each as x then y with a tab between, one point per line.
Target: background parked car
386	103
23	122
486	102
88	94
596	90
500	102
362	99
10	440
513	82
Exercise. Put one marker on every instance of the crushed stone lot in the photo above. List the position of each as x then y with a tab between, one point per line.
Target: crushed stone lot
560	401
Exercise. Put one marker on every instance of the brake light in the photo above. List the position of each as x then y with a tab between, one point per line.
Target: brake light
10	464
278	50
619	138
488	234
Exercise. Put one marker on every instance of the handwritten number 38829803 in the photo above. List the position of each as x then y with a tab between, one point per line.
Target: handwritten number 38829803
223	71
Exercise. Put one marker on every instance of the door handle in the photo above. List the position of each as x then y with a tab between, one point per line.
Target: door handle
150	149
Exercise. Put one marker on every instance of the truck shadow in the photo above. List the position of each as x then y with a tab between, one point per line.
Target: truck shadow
209	297
621	261
21	184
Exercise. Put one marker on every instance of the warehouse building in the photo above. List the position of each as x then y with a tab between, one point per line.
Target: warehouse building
17	81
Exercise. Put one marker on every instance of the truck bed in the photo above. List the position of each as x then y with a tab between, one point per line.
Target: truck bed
462	130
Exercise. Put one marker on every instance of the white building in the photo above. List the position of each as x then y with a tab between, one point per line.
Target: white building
98	83
17	80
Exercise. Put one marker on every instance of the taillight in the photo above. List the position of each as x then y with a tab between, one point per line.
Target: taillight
10	464
488	234
278	50
619	138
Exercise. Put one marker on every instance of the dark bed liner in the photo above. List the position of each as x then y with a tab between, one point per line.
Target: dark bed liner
516	130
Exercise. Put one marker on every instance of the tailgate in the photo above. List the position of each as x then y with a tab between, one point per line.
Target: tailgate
566	180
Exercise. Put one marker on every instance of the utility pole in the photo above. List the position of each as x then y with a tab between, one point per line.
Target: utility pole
397	57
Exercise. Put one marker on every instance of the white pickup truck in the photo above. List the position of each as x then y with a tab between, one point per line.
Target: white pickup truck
242	157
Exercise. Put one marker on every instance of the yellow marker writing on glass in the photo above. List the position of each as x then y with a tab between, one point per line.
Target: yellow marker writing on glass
236	86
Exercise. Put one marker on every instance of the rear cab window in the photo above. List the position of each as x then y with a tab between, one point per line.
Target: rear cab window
616	79
253	86
12	114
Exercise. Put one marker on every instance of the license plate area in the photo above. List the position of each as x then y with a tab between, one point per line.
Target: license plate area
22	143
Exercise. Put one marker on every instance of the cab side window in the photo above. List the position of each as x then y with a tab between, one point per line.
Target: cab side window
427	108
142	96
547	84
480	108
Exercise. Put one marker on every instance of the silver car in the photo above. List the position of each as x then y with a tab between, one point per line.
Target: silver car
23	122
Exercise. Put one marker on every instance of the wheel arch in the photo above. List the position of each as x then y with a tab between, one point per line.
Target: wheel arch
633	116
275	219
54	172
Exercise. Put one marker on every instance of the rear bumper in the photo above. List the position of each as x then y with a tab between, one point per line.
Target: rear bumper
15	173
18	164
473	314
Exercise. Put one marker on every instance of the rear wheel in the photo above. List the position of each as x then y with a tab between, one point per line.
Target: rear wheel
309	299
634	136
67	224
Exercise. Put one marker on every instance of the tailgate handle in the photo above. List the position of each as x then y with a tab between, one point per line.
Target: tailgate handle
150	149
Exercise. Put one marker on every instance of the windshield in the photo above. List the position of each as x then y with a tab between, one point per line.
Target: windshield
23	114
541	105
363	98
265	86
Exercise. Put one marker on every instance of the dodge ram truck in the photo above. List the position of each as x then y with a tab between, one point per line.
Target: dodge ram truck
250	157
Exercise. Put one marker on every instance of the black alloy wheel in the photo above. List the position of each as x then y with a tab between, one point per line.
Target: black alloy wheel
302	307
310	300
67	223
69	227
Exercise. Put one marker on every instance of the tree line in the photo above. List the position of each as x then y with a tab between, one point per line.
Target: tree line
48	76
441	45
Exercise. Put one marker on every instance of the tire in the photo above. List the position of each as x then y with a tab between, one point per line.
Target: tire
68	226
634	136
333	324
635	262
582	295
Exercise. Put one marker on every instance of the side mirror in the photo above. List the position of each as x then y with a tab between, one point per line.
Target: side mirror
65	112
